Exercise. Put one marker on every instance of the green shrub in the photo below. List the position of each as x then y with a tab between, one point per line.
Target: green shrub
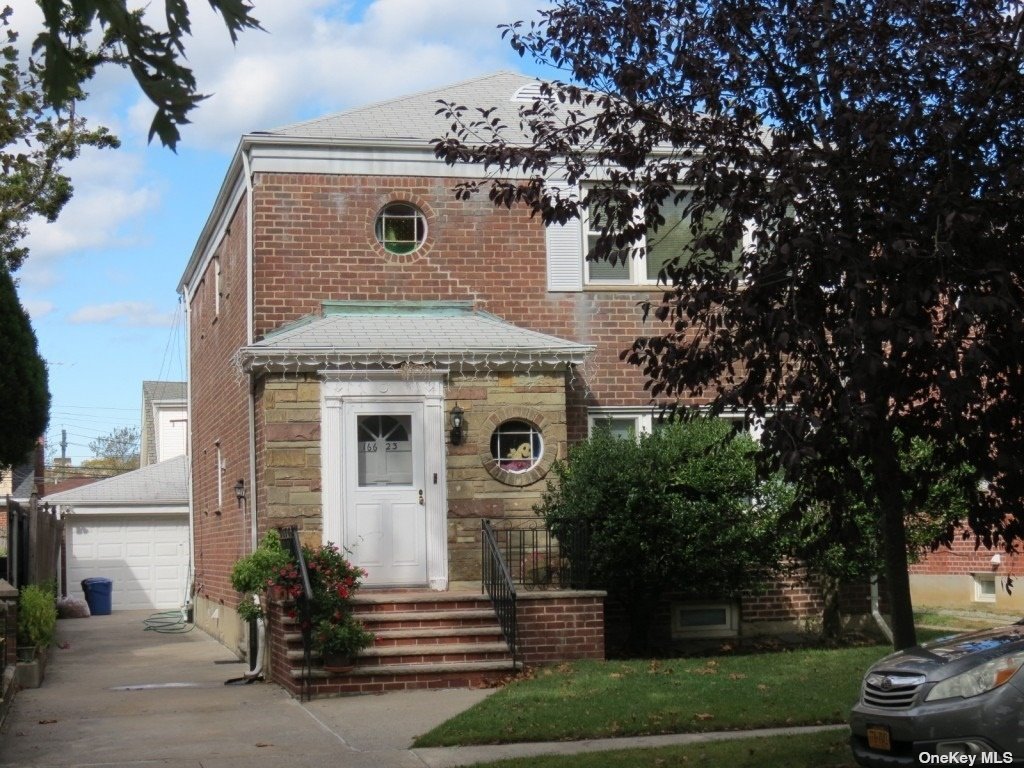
680	511
252	574
37	616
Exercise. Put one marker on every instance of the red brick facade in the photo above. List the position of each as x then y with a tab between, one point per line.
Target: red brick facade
313	241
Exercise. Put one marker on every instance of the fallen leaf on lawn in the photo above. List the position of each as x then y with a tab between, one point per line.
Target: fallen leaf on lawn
737	676
762	687
615	675
703	716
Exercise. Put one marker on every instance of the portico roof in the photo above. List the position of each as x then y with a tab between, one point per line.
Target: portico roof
439	334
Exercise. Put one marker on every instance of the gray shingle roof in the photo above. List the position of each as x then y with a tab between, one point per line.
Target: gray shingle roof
163	483
369	333
414	117
26	486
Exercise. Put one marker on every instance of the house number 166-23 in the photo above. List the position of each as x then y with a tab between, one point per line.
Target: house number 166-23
373	447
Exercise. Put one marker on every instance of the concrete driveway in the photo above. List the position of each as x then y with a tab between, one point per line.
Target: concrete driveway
117	695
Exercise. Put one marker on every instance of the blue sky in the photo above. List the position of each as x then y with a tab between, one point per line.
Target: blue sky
100	284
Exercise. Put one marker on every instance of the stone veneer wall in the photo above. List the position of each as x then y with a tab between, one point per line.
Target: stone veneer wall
288	467
477	488
288	470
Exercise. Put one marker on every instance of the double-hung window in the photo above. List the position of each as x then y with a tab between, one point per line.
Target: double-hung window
640	262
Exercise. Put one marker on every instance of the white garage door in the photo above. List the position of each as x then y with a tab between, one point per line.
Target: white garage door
145	556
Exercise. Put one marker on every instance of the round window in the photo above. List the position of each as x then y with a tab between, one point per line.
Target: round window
516	446
400	228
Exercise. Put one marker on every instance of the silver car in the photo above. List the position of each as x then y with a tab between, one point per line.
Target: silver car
953	701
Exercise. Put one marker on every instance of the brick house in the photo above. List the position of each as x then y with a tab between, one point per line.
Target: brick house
342	307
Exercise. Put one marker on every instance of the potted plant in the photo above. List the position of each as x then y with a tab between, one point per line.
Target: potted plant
257	572
339	641
336	632
37	626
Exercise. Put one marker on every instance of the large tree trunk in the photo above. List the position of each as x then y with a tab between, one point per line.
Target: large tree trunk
889	485
831	617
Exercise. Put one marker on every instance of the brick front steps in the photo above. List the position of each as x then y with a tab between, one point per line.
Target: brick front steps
427	639
423	640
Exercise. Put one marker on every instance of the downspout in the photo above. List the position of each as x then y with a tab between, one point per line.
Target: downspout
875	612
250	335
187	609
259	627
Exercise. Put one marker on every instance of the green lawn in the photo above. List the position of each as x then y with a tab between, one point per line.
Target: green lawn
816	750
632	698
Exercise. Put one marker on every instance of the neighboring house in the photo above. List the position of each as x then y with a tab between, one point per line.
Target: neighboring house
132	528
164	421
19	483
343	305
967	577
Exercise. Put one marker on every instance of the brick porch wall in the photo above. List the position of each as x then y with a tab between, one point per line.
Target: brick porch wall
560	626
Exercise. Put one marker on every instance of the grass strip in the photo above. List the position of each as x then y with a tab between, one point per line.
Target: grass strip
815	750
589	699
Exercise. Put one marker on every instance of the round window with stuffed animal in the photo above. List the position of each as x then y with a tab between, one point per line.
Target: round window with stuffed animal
516	446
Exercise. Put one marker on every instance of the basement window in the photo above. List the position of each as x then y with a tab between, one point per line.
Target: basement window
984	587
699	620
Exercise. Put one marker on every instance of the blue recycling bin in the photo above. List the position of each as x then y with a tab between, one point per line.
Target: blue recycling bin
98	594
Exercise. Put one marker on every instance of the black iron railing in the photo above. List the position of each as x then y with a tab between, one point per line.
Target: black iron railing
290	540
498	585
537	559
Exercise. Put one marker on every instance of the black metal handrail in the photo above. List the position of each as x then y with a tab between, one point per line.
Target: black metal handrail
290	539
537	559
497	583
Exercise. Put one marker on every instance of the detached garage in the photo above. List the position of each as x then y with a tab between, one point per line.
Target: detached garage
133	530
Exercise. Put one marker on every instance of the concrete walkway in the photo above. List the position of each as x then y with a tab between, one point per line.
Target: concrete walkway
118	696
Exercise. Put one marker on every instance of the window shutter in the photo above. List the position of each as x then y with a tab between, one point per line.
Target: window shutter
565	256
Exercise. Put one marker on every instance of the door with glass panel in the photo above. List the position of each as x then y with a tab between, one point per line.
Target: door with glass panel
383	450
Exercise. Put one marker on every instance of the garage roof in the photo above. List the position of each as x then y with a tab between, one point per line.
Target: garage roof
163	483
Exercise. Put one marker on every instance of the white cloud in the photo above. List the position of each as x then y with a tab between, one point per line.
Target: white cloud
313	60
110	195
37	308
134	314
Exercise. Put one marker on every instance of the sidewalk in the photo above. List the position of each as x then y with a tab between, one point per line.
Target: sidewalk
121	697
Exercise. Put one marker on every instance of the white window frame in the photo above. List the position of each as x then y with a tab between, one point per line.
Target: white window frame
729	628
637	259
216	286
645	419
980	595
220	469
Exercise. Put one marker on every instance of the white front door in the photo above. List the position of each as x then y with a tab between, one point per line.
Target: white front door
383	470
386	528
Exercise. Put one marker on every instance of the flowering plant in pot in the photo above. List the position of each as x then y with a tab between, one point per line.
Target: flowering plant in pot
336	632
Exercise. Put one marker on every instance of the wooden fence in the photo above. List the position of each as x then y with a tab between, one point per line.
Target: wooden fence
34	536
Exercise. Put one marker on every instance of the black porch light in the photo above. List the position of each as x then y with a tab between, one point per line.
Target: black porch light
457	414
240	491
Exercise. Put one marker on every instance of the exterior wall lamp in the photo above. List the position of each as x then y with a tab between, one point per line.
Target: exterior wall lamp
240	492
457	422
